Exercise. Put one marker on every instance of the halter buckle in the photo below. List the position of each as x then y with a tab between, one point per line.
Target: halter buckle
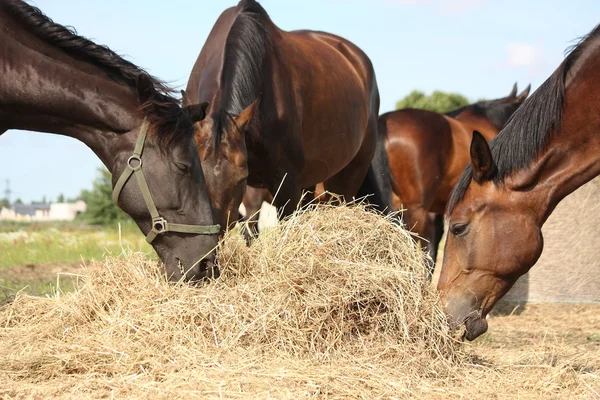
160	225
134	158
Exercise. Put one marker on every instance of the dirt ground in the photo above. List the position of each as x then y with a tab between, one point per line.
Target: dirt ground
37	279
41	272
574	326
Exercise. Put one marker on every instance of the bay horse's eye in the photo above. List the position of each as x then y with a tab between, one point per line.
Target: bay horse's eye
184	168
458	229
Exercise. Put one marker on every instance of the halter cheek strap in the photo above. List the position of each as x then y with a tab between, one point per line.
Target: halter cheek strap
159	224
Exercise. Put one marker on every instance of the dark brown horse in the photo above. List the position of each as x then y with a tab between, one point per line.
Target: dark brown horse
55	81
287	110
549	148
427	152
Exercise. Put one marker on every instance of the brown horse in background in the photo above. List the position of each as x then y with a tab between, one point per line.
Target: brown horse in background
287	110
455	127
547	150
427	152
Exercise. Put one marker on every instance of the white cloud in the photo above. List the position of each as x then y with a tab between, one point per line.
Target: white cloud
522	55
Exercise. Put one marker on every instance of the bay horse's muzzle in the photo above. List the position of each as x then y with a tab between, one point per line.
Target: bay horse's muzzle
464	311
476	327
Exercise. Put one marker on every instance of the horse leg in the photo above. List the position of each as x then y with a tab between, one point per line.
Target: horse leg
253	199
348	181
438	232
289	195
418	220
308	195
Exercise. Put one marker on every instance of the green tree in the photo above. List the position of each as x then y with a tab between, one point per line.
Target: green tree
18	201
437	101
60	198
100	208
4	203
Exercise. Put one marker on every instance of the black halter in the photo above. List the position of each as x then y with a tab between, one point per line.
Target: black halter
159	224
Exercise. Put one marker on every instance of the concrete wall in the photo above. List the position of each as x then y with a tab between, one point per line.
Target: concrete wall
569	268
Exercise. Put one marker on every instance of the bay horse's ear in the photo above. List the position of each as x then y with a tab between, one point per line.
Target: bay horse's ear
482	164
246	116
145	88
524	94
513	92
196	112
185	100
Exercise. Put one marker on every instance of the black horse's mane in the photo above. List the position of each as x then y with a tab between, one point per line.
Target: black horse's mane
163	109
529	130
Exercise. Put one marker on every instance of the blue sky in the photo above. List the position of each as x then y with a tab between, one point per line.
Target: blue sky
476	47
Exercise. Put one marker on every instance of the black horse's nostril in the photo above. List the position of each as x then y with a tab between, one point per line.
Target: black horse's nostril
209	269
198	273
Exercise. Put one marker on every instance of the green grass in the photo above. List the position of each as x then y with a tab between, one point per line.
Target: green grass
26	247
56	243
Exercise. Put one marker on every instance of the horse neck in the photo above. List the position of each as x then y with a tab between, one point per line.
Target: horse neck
490	116
571	156
44	89
480	123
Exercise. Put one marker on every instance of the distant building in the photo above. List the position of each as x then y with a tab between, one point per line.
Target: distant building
43	212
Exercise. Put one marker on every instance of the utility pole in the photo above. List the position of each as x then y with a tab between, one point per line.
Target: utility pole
8	192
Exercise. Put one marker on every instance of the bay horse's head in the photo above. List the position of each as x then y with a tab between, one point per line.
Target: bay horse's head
221	144
494	237
158	181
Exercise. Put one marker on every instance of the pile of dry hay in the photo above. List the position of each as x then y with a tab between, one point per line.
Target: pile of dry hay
333	302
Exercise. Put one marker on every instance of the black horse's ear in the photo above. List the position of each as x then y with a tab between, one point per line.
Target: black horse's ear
482	164
513	92
524	94
145	88
196	112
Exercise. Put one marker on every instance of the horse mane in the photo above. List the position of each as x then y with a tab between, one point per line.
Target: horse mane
246	48
163	110
530	128
497	111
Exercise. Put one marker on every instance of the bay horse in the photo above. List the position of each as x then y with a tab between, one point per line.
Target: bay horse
287	110
427	152
58	82
548	149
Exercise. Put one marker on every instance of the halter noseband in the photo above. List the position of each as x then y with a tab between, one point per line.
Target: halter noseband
159	224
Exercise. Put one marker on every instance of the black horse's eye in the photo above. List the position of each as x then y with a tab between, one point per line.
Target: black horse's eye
458	229
184	168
